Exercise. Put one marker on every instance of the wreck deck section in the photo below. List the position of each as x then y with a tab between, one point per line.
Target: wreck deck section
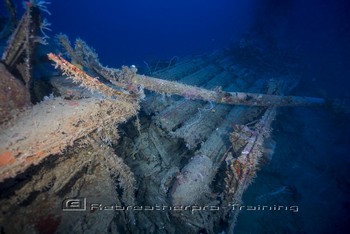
179	145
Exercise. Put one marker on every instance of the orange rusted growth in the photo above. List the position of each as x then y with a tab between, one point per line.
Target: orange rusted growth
6	158
84	79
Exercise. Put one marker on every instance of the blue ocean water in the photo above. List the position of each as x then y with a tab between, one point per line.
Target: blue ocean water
310	167
128	32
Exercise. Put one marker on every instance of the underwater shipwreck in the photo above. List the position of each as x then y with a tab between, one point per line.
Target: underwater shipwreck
168	148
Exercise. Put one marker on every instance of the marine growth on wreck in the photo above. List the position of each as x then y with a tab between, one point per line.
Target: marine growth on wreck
156	149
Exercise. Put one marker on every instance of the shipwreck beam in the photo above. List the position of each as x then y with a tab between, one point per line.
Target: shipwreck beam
234	98
128	79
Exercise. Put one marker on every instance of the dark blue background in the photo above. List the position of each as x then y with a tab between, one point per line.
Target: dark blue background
128	32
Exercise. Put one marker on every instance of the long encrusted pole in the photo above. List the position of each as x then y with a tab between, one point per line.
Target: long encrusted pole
248	144
128	80
235	98
80	77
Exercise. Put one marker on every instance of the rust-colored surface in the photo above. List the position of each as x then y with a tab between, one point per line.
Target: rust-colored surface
6	158
51	126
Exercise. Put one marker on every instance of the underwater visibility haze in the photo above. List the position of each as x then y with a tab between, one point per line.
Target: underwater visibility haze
174	116
129	32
